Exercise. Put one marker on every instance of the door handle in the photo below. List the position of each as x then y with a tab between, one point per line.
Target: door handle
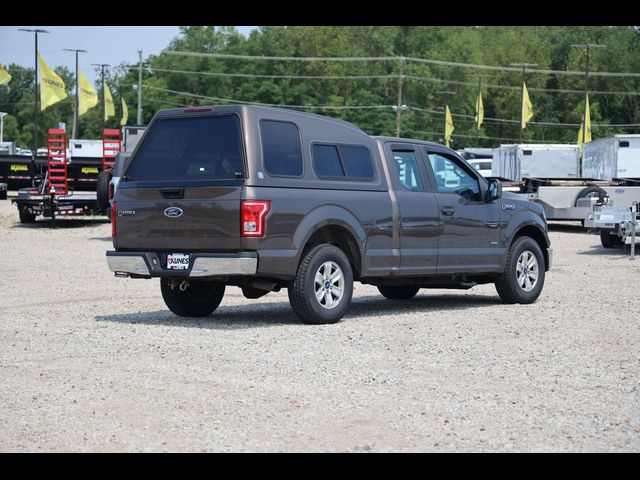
447	210
492	224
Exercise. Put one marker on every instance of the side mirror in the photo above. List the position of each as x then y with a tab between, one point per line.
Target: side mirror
494	190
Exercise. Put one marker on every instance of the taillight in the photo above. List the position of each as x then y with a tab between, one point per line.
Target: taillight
113	219
253	217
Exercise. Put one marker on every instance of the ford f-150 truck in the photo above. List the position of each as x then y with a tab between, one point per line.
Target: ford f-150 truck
265	198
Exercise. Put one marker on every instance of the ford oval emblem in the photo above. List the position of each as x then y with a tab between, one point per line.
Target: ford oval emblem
173	212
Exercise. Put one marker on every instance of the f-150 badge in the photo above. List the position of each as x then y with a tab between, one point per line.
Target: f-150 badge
508	206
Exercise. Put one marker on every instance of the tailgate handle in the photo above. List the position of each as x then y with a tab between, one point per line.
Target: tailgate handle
172	193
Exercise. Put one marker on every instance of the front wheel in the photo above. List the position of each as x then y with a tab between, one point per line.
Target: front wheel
322	289
523	277
199	299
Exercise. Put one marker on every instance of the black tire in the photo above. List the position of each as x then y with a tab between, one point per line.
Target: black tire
26	216
404	292
507	284
102	190
200	299
610	240
302	291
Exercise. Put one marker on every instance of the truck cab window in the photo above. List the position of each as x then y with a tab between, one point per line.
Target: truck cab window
407	170
452	178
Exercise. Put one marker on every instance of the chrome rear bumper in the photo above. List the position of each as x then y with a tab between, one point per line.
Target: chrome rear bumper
149	264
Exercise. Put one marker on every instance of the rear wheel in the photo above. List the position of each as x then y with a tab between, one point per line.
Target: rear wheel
322	289
199	299
404	292
26	216
523	277
610	240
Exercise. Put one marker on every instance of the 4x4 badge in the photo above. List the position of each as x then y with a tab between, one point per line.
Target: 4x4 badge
508	206
173	212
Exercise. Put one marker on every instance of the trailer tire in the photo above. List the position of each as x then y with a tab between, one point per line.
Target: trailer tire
26	216
589	192
102	190
404	292
199	299
610	240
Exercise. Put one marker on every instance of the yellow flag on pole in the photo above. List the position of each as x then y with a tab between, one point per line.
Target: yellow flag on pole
479	111
51	85
88	96
448	126
527	108
125	113
109	107
4	76
584	134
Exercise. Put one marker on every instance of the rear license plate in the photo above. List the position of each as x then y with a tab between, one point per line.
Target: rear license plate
177	261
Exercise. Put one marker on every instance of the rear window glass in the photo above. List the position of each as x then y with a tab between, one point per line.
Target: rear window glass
326	161
281	148
189	149
357	161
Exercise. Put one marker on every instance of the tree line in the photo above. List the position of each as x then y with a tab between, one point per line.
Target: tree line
558	100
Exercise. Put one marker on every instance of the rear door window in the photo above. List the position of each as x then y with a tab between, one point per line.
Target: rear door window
281	150
195	148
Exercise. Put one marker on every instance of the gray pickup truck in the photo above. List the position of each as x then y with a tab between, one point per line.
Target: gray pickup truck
264	199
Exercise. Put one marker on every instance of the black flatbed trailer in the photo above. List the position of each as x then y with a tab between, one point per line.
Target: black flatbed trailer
32	203
17	171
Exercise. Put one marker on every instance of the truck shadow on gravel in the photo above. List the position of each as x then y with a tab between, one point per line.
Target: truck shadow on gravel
268	314
617	253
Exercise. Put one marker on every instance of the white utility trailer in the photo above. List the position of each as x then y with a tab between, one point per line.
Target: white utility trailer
551	175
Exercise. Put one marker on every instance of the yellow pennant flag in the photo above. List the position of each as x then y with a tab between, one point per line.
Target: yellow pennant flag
4	76
125	113
586	120
479	111
51	85
109	107
88	96
448	126
527	108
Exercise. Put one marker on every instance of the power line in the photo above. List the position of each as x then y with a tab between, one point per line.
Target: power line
397	59
387	77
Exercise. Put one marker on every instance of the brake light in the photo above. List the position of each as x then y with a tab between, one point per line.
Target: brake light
197	110
253	217
113	219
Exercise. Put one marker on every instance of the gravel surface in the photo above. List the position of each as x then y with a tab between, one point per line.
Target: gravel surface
89	362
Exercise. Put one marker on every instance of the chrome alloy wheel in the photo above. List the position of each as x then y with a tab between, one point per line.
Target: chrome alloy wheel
527	271
329	285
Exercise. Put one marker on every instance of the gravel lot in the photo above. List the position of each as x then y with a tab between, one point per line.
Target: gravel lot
89	362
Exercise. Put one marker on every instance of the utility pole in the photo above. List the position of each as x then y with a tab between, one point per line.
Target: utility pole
140	88
445	94
524	67
36	31
77	105
587	47
399	106
104	97
2	114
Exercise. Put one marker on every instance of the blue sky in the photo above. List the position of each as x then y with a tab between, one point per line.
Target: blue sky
111	45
